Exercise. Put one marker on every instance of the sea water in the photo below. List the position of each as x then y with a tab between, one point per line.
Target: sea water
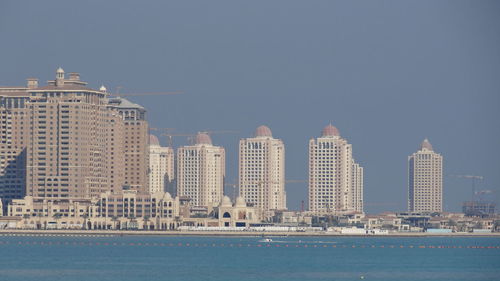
117	258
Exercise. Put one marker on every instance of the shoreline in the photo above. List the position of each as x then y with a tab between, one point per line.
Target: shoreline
26	232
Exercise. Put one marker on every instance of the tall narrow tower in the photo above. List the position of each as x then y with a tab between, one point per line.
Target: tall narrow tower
425	180
201	171
262	170
161	166
335	179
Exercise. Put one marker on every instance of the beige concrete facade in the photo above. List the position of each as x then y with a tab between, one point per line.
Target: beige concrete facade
262	171
425	180
201	172
335	179
161	166
14	128
125	210
68	141
136	143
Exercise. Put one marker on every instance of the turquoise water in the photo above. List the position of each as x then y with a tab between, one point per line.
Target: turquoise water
245	258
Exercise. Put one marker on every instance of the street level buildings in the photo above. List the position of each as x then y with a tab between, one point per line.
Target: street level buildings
335	179
425	180
161	166
201	172
262	171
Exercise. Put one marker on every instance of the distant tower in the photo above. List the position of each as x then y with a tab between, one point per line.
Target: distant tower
161	166
262	170
335	179
60	77
201	171
425	180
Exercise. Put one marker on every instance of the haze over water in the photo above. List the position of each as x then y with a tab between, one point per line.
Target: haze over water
247	259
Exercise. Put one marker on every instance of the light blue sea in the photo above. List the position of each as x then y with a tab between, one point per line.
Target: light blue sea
117	258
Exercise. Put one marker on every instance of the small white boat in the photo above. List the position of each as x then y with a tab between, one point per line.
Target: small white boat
266	240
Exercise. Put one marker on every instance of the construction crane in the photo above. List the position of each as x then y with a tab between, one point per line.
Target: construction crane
118	94
474	178
192	135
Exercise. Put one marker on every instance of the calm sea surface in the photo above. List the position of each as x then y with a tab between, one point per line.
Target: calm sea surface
245	258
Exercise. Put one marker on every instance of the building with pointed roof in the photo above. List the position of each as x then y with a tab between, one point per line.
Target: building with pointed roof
335	179
201	171
161	167
425	180
262	171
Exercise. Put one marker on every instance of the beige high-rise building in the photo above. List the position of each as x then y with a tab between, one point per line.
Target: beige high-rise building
262	171
161	166
425	180
335	179
201	172
136	143
14	126
67	149
66	140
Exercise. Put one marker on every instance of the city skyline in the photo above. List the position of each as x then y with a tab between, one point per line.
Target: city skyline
382	74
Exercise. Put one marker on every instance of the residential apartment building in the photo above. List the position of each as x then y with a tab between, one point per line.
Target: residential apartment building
335	179
201	172
425	180
66	140
136	143
161	166
14	128
262	171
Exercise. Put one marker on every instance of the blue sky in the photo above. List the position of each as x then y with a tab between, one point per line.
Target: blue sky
387	74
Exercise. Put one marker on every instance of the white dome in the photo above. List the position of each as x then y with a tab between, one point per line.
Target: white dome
226	202
240	202
103	89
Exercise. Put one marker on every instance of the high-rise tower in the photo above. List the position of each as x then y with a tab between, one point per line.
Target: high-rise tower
161	166
201	171
335	179
425	180
262	170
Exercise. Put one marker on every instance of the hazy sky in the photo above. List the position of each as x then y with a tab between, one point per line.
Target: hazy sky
387	74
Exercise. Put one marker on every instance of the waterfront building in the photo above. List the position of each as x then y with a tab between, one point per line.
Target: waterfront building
66	140
425	180
335	179
136	143
201	172
14	126
129	209
161	166
262	171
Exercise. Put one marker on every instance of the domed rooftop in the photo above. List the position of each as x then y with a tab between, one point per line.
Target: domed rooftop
426	145
103	89
60	70
153	140
203	138
226	202
330	131
240	202
263	131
